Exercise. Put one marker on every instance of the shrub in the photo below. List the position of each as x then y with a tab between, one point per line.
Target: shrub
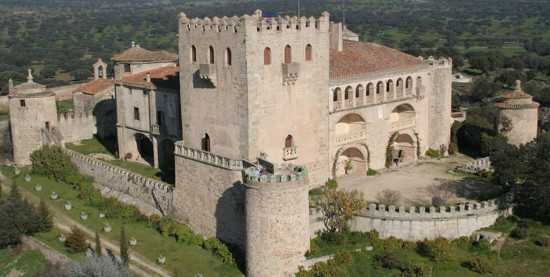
167	226
343	257
545	240
86	190
96	198
51	161
453	148
332	184
388	259
334	238
462	242
437	250
76	241
129	211
432	153
483	244
314	249
387	244
322	269
220	250
388	197
315	192
371	172
481	265
184	234
418	270
519	233
154	221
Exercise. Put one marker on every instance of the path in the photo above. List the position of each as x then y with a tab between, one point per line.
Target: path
64	223
414	180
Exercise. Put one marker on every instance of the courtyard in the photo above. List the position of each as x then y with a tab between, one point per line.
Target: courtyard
419	182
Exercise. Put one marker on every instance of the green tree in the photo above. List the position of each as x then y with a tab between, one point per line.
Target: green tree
124	255
14	192
51	161
76	241
97	244
46	217
339	206
17	217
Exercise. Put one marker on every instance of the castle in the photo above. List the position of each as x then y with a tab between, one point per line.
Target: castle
296	98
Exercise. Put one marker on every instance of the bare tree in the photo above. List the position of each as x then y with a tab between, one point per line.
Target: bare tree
388	197
95	266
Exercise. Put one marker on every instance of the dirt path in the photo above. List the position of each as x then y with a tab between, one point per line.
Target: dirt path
414	182
64	222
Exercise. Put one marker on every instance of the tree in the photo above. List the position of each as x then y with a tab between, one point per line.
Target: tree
97	244
14	192
18	217
76	241
124	255
338	206
46	217
95	266
51	161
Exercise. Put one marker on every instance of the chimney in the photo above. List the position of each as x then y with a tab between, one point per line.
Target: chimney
148	77
336	36
10	86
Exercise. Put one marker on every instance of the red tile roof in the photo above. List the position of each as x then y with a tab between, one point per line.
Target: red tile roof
96	86
138	54
161	73
362	57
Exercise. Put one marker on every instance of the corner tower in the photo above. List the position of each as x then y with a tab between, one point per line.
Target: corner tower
518	116
33	119
256	86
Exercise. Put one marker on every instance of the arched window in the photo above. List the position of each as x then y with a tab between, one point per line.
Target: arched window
379	87
308	52
100	71
418	85
211	55
349	93
193	54
205	143
267	56
289	141
227	56
409	83
335	95
389	86
359	91
370	89
288	54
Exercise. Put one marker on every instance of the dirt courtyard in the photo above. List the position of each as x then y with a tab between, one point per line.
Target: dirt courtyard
418	182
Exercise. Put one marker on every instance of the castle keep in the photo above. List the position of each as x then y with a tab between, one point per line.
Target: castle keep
251	113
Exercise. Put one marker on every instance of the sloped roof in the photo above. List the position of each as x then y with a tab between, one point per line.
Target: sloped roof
138	54
96	86
362	57
157	75
28	86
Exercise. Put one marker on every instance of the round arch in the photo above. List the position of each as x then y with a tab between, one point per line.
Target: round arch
145	148
356	153
349	123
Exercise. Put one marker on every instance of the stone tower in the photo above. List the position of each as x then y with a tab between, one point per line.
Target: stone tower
256	86
518	116
277	221
33	119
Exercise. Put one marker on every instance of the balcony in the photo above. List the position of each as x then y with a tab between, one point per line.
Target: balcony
290	153
350	137
402	124
290	73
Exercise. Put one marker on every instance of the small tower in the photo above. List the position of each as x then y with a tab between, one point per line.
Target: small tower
518	116
277	220
100	69
33	116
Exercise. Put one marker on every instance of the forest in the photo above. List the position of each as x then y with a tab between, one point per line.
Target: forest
61	39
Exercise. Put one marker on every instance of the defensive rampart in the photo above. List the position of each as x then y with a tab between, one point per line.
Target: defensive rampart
155	193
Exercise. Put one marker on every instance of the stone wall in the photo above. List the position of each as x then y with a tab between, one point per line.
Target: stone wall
49	253
154	193
76	127
209	194
64	92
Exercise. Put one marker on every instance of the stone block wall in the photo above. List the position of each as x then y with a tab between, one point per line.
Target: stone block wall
76	127
209	194
155	193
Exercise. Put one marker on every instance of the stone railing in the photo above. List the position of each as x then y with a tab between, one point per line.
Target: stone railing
337	105
296	172
350	137
380	73
207	157
476	165
348	103
402	124
290	153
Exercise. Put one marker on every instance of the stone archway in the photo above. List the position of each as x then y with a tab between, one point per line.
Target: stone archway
403	149
145	148
358	156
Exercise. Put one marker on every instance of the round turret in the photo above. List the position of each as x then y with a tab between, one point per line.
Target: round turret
32	115
277	221
518	116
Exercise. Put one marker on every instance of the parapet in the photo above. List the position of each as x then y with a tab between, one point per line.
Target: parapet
207	157
283	173
262	24
443	212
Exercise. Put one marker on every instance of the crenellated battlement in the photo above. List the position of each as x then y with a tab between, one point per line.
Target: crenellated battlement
207	157
71	118
287	173
419	213
261	24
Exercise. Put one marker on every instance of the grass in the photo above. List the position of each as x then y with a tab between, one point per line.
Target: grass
94	145
186	260
28	262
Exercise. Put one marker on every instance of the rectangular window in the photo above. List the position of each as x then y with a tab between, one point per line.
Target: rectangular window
160	118
127	68
22	102
136	113
47	124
